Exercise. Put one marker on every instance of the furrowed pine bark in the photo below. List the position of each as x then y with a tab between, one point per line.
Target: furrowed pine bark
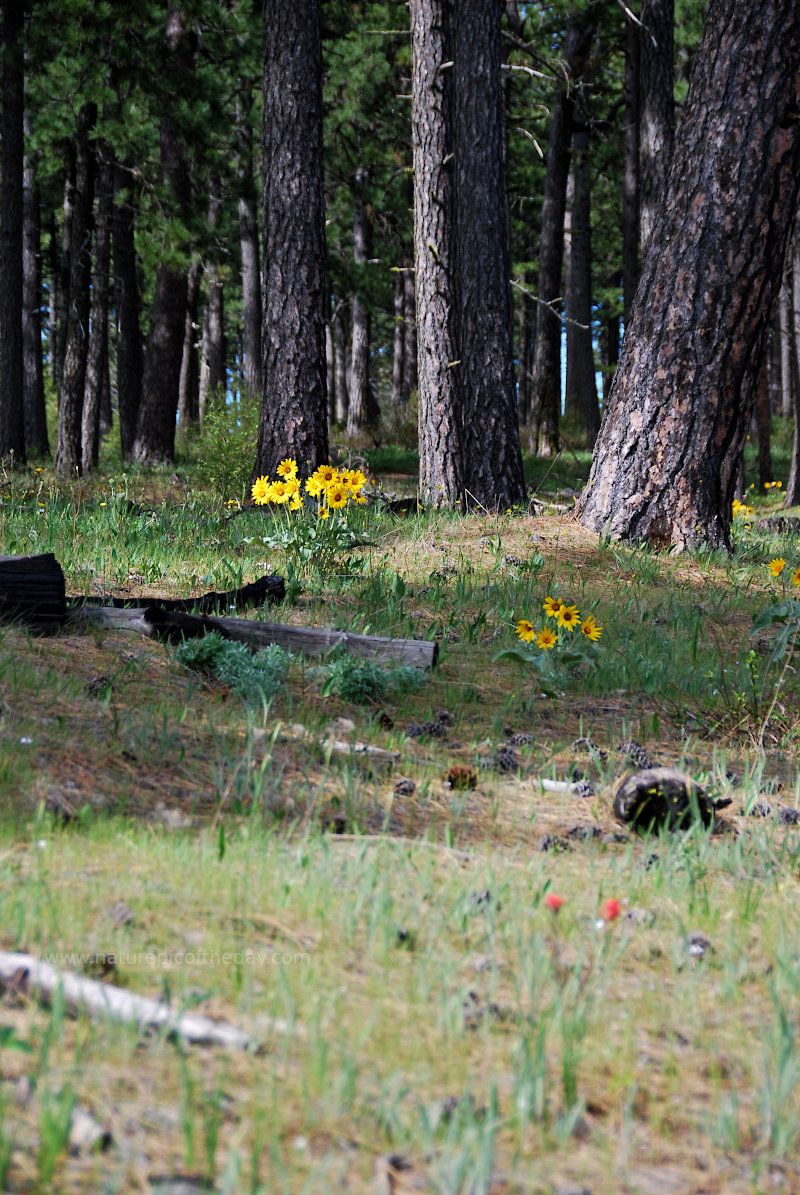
657	110
69	460
12	420
155	427
294	410
493	475
441	463
128	304
248	242
665	462
358	410
189	384
98	322
793	277
36	438
630	177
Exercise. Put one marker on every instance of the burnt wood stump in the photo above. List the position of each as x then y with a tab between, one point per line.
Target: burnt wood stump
656	797
32	591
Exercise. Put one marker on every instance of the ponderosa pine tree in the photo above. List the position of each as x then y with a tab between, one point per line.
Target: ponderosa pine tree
656	110
155	427
668	452
12	425
441	462
492	455
294	411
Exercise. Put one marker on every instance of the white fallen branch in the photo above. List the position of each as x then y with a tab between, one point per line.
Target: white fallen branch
31	975
557	786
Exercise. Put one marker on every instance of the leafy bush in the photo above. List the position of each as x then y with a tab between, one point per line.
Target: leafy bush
227	446
253	677
364	681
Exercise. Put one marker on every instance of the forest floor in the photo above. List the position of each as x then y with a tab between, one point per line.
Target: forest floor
382	927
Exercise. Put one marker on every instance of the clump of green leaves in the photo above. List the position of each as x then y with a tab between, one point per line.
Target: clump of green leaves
255	677
363	682
226	453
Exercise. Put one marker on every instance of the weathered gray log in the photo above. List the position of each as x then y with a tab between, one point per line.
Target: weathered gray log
32	590
164	624
30	975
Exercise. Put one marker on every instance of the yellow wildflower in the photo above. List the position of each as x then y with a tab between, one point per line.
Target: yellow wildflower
569	617
261	490
546	639
525	630
590	629
776	566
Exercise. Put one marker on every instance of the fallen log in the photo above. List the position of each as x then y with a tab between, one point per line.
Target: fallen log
32	590
257	593
29	975
158	623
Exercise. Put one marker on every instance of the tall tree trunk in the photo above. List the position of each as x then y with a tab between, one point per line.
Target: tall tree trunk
785	340
155	426
763	423
441	464
340	361
523	352
410	355
610	350
666	458
358	401
98	323
580	382
398	344
490	431
12	417
69	461
630	177
248	242
546	379
330	372
62	309
793	487
36	438
128	305
189	384
657	85
212	360
294	408
53	299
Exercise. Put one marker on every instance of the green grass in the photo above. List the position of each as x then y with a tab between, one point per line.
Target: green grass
392	950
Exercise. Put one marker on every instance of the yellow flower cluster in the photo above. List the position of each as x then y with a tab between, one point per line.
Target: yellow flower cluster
740	509
773	485
777	566
566	617
332	488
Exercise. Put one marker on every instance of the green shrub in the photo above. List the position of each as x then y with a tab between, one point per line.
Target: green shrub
253	677
227	448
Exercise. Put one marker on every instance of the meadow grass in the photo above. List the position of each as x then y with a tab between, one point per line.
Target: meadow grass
391	949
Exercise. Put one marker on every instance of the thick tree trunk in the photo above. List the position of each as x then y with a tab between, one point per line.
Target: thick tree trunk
490	432
128	305
410	376
581	388
630	177
665	461
189	384
155	427
785	341
66	261
12	417
98	327
248	242
546	373
657	84
358	411
793	487
763	423
69	460
294	408
340	362
441	464
212	360
398	344
36	438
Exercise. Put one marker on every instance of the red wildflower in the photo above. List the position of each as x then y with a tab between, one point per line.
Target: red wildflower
553	902
611	909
